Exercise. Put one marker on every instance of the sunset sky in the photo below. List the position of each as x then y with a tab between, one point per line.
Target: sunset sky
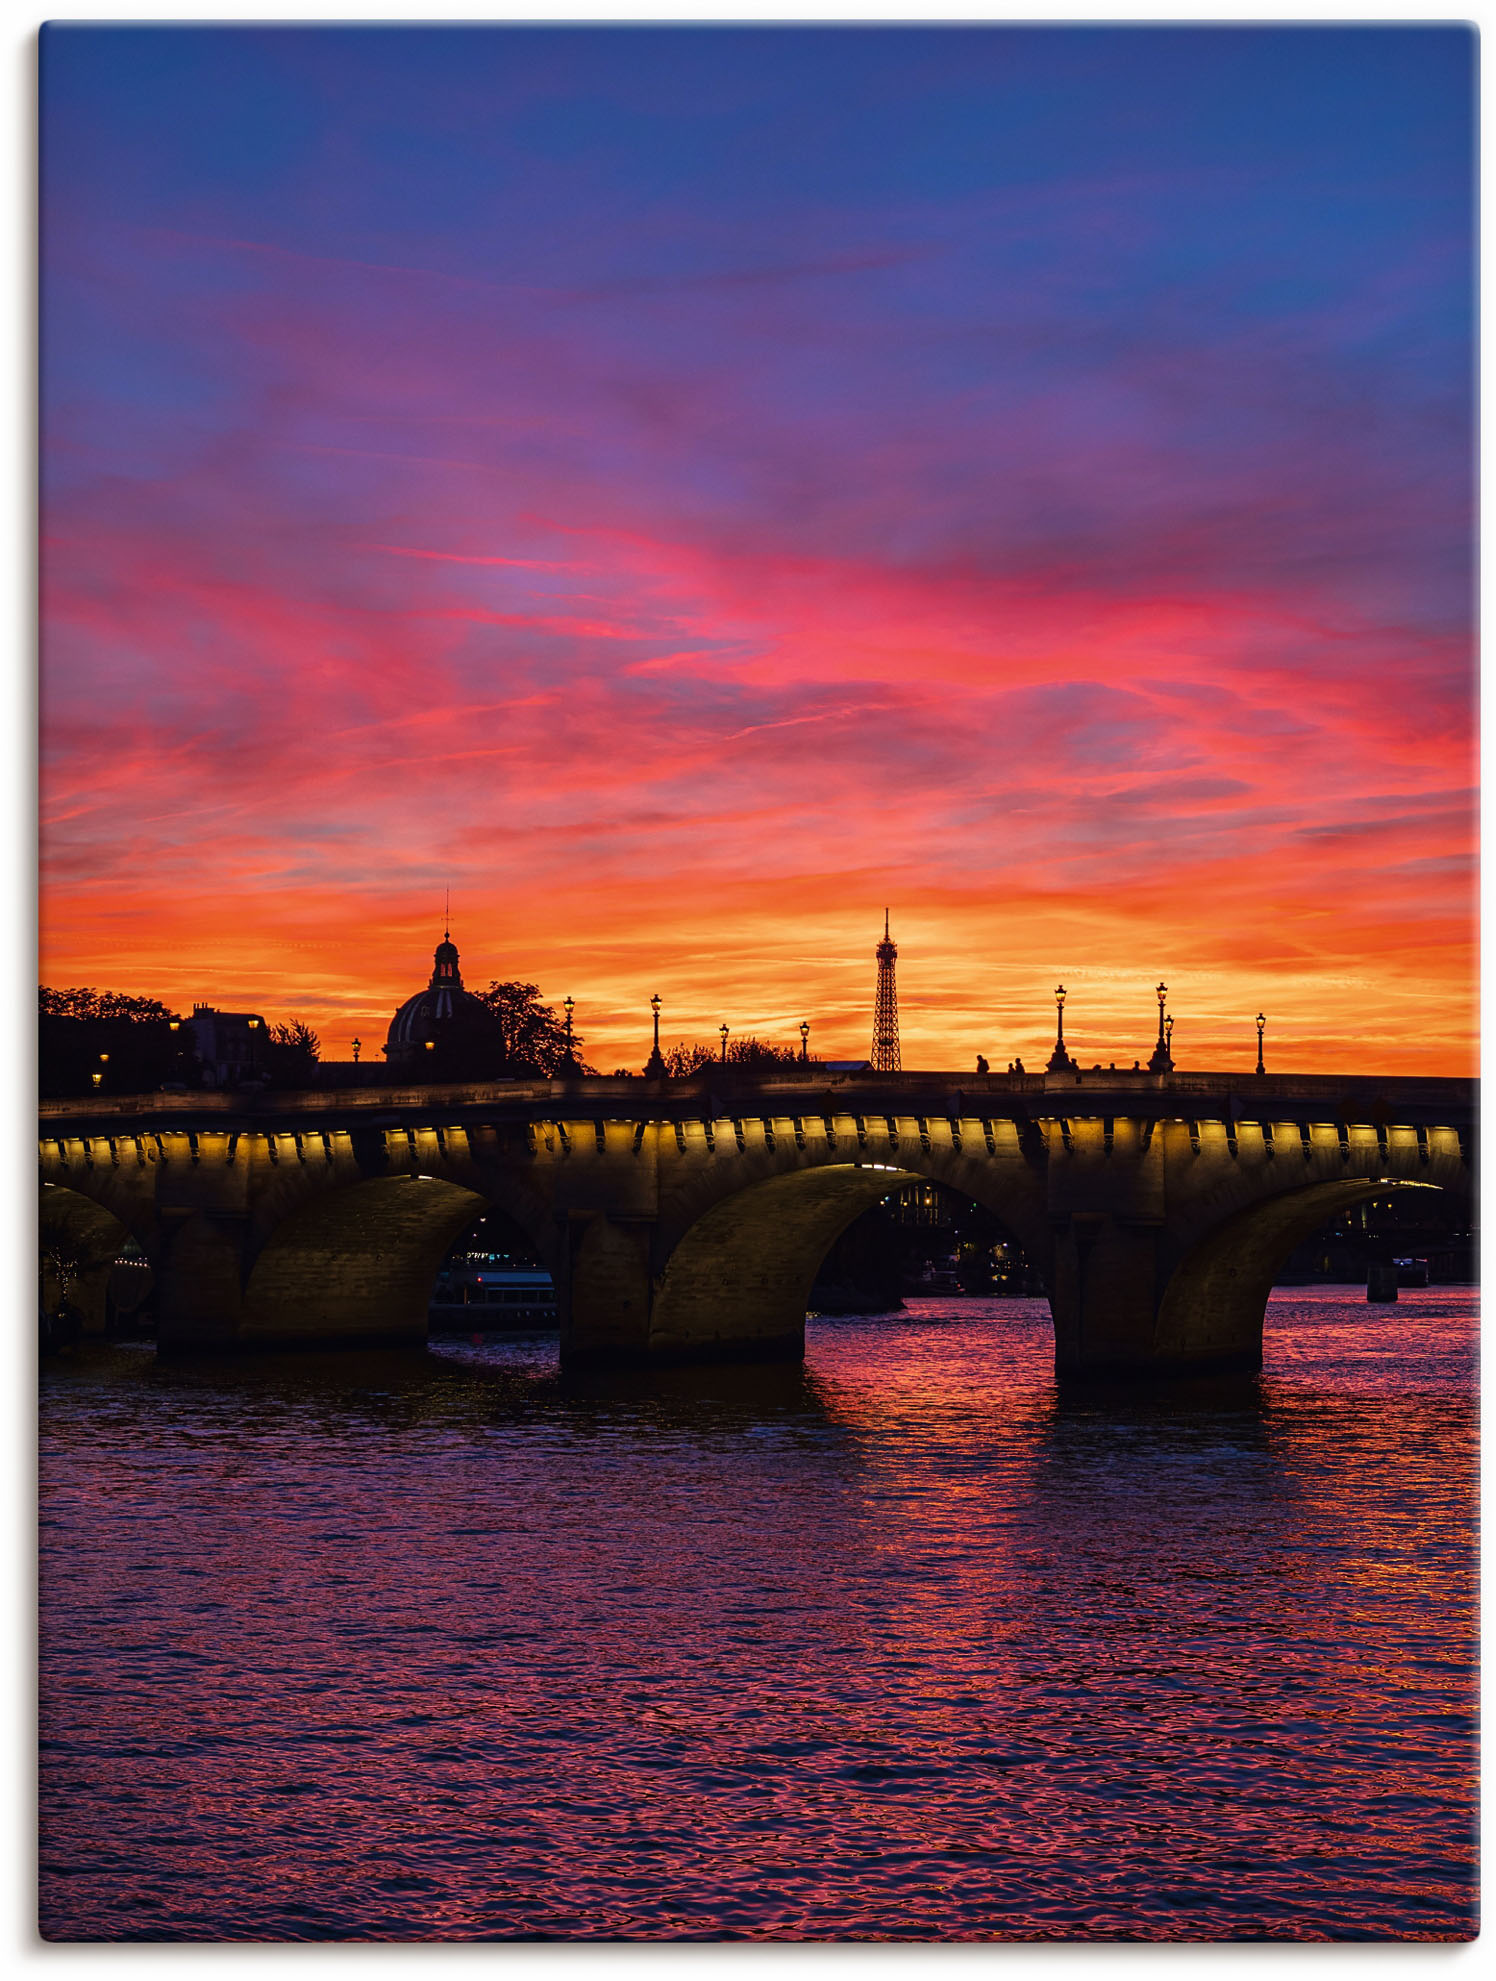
683	491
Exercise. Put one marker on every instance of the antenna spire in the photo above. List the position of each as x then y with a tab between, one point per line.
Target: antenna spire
447	917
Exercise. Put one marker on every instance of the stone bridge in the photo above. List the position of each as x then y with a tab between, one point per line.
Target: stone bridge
686	1219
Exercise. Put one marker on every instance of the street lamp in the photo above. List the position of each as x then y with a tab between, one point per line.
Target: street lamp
358	1046
804	1041
656	1065
1160	1061
1059	1060
1261	1021
1169	1041
723	1030
569	1005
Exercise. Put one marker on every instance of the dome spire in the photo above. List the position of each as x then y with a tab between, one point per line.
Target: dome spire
447	965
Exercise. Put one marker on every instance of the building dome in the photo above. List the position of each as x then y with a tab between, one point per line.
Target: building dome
444	1028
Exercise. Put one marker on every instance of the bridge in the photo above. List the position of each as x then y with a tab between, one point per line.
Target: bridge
685	1219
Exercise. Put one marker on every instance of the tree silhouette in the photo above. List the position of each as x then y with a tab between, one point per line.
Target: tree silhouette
534	1037
743	1056
292	1053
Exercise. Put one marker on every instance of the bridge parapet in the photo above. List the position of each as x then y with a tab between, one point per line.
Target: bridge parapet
712	1095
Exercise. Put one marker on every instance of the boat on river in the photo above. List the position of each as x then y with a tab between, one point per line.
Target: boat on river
485	1299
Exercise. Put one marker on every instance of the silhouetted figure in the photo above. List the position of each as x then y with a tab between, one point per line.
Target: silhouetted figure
1017	1065
982	1066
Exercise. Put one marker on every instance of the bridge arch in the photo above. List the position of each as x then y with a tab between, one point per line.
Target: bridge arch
357	1262
743	1271
80	1239
1215	1301
739	1272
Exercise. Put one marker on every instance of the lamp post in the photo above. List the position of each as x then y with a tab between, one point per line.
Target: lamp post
723	1030
1261	1021
569	1005
656	1064
804	1042
1169	1042
1059	1060
1159	1063
254	1063
358	1046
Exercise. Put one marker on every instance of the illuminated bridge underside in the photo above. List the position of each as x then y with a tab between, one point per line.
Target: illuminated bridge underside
686	1219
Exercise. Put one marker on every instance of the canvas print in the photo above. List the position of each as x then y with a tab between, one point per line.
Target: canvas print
757	1090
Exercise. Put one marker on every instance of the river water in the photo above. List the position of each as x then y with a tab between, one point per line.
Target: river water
897	1646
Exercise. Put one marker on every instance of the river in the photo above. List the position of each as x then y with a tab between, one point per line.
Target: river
900	1645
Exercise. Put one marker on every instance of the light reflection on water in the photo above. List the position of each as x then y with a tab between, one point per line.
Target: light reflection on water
899	1645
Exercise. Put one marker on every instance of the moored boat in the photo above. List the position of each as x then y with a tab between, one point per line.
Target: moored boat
484	1299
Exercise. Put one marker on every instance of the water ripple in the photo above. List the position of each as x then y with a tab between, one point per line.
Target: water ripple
902	1645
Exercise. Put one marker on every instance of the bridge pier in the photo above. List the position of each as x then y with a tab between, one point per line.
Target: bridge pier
604	1289
199	1267
1105	1292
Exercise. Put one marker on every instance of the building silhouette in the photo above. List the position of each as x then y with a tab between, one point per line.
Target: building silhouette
231	1046
444	1029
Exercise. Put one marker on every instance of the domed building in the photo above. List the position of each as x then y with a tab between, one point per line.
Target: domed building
444	1031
